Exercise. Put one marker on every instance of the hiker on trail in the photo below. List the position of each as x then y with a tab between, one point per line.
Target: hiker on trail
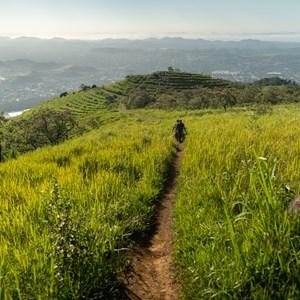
179	131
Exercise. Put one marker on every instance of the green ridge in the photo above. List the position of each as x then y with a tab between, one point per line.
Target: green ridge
111	95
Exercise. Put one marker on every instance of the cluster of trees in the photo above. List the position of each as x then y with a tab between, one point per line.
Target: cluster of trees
275	81
82	87
40	128
171	69
2	122
223	97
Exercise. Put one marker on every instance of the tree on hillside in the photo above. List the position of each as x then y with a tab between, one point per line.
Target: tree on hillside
139	99
227	99
2	121
84	87
270	95
249	94
64	94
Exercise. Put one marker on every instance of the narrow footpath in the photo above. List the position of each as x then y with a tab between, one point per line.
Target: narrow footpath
151	276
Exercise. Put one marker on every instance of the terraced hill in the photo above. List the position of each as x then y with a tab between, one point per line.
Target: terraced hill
175	80
80	103
167	90
111	95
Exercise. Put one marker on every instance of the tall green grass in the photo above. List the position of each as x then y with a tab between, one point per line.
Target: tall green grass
67	212
234	239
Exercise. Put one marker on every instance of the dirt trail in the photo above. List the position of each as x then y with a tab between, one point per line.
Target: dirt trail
152	277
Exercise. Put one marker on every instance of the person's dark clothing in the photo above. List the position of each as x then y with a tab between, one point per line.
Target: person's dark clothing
180	131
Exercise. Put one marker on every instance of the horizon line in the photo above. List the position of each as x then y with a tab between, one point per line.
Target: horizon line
212	36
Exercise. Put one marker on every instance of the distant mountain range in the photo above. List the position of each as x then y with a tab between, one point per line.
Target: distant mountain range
33	70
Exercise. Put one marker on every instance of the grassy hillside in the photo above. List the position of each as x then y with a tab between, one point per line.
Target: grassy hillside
93	107
235	239
68	212
81	104
110	96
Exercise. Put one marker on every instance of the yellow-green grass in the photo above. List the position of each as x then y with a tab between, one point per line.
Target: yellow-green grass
68	211
234	238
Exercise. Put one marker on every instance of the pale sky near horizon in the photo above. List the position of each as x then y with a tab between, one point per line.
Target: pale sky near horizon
88	18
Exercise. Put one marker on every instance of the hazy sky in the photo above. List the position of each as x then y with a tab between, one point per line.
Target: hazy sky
91	18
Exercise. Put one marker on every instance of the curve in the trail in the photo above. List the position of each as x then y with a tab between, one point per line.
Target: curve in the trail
151	276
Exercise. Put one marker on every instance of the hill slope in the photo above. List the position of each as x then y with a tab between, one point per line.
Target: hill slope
69	213
127	91
173	90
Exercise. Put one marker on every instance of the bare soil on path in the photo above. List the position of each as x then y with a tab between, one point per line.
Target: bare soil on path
151	276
